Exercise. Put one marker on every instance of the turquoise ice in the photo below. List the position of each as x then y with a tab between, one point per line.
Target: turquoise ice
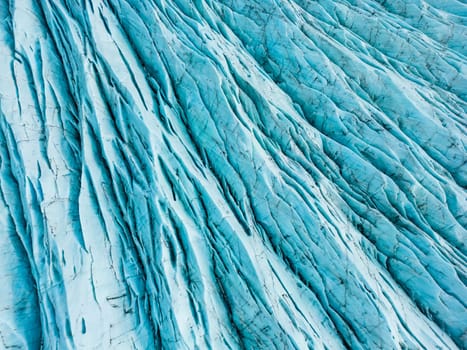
262	174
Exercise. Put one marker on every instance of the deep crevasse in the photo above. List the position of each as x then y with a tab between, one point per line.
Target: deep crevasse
233	174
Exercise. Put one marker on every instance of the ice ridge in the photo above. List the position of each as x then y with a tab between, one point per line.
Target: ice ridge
263	174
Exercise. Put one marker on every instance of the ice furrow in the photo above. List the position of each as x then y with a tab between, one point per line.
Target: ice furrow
231	174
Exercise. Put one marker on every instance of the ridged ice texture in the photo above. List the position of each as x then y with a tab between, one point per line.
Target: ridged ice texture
261	174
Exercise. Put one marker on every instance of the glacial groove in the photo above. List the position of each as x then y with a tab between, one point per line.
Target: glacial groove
264	174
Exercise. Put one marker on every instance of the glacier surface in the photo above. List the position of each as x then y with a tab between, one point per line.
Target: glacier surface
226	174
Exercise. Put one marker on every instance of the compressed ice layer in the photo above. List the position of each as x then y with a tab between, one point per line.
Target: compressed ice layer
233	174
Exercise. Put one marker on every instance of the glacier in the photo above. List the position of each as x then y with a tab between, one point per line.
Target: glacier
233	174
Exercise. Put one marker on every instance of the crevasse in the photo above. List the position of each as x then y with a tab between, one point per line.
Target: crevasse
263	174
